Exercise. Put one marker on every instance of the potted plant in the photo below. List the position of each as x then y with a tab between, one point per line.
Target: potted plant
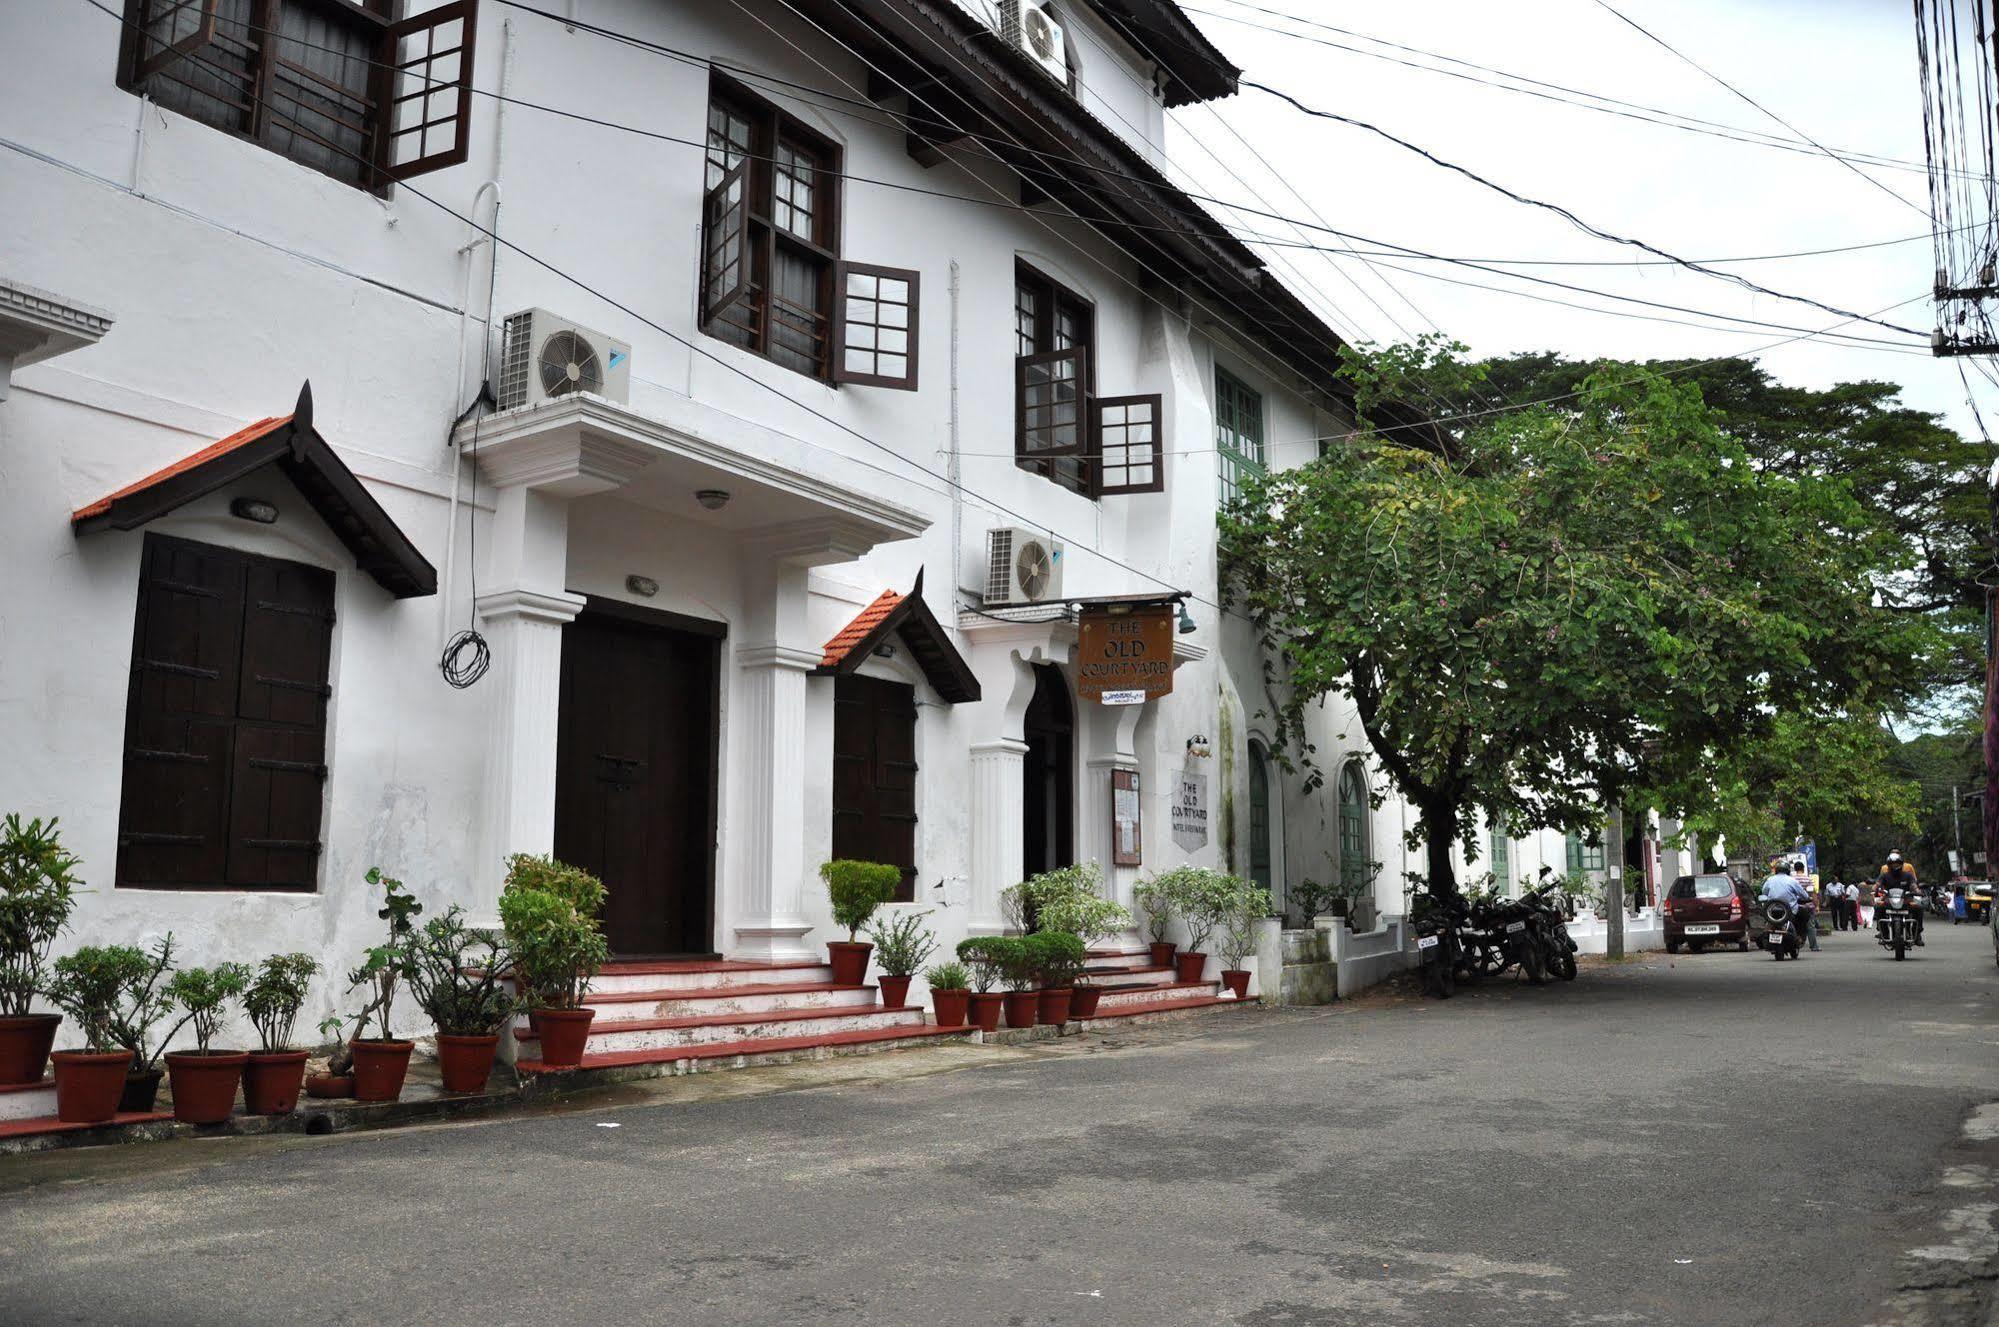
144	1005
1200	897
549	910
1058	957
337	1079
1019	962
1250	904
950	996
458	976
1094	919
380	1063
37	894
275	1070
1025	905
986	966
857	890
901	945
1155	899
204	1079
88	986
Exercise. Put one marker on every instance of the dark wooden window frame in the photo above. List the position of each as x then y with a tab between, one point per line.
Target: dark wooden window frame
1052	298
870	840
404	55
244	739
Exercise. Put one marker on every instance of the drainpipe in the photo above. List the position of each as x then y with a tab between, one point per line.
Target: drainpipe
957	493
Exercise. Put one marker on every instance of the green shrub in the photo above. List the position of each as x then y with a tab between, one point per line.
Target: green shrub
1154	898
1201	897
37	894
552	933
1025	905
276	994
1018	959
902	943
145	1005
458	975
1248	906
985	955
1057	957
1091	916
383	967
858	889
91	984
203	992
946	977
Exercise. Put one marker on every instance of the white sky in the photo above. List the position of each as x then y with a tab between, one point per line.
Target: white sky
1843	71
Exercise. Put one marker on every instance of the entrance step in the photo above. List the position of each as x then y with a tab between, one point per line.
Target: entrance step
1141	973
625	975
761	1050
26	1101
694	1002
1123	999
41	1124
1105	1009
660	1034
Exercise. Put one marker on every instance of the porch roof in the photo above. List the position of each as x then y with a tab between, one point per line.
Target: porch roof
291	443
906	616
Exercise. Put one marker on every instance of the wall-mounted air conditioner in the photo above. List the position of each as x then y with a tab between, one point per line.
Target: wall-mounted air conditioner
1029	25
543	357
1022	567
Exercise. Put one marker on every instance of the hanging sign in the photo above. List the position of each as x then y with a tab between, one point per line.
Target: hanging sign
1125	653
1125	849
1190	812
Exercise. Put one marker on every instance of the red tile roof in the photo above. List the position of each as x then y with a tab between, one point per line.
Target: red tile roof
186	463
838	648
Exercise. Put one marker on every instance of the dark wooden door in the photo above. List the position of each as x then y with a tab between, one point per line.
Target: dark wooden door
874	775
635	778
1048	837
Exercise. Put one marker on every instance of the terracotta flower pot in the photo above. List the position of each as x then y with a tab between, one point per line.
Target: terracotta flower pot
985	1009
88	1084
1237	980
849	959
894	991
1021	1007
271	1082
1190	965
142	1091
379	1068
1162	953
466	1062
1083	1004
1053	1009
327	1087
564	1033
24	1046
950	1007
205	1086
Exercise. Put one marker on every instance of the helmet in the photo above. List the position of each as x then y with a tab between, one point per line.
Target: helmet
1894	856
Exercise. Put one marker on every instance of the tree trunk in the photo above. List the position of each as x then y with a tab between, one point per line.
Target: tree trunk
1440	833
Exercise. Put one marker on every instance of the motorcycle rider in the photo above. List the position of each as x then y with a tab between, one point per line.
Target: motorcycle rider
1898	874
1783	887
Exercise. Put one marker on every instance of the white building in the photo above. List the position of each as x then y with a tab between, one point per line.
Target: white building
842	307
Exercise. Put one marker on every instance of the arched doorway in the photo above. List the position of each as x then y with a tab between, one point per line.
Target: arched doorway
1048	837
1262	854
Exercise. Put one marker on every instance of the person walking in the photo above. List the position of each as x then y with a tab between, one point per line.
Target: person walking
1843	902
1956	902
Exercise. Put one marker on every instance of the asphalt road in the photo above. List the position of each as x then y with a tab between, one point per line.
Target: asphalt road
1656	1143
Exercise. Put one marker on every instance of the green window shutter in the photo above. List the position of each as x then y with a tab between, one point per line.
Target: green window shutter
1238	433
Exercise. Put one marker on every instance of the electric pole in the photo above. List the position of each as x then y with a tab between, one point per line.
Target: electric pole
1613	884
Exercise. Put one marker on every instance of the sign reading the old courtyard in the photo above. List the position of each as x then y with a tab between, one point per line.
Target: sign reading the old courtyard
1190	811
1122	653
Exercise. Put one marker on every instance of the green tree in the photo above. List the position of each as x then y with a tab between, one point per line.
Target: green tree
1566	605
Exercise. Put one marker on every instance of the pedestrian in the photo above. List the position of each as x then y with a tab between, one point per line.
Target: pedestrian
1956	902
1843	902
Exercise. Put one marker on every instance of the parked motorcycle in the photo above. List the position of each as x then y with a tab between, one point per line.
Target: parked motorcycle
1437	952
1558	949
1895	921
1782	939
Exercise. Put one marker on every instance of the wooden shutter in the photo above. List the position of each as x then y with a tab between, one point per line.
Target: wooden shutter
225	721
725	244
874	774
1129	440
1049	404
874	326
428	108
171	30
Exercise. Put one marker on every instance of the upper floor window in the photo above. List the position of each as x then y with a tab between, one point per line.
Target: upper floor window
772	280
1238	433
1095	446
341	86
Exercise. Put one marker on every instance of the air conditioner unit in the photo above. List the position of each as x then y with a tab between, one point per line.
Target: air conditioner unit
543	357
1022	567
1028	25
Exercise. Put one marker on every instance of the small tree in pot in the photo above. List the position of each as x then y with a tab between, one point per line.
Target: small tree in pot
89	986
901	944
1019	960
1093	919
1248	906
37	894
1201	897
857	891
205	1079
144	1005
380	1063
1154	898
549	910
986	964
276	1069
1059	957
950	997
459	975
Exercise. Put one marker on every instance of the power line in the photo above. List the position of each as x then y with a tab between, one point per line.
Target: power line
1564	212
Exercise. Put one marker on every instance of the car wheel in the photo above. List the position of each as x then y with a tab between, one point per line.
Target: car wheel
1673	947
1698	946
1742	945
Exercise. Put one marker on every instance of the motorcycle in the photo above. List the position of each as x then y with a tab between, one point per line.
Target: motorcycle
1558	949
1782	939
1437	952
1895	921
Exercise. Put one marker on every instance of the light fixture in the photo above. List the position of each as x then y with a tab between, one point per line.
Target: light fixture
1186	621
643	586
884	651
714	499
254	509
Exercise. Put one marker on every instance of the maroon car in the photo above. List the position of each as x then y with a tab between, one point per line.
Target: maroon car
1703	910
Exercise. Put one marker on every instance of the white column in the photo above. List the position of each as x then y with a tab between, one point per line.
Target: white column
997	770
523	628
770	746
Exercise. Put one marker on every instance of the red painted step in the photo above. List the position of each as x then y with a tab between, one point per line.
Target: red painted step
42	1124
720	1050
710	1020
717	992
1164	1006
